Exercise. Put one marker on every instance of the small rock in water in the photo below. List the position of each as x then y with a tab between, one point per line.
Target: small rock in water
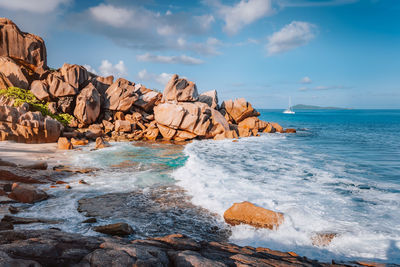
60	182
24	220
322	239
68	187
41	165
82	182
119	229
250	214
6	226
13	210
90	220
27	193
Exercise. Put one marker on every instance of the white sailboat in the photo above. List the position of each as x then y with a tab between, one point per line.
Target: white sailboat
289	109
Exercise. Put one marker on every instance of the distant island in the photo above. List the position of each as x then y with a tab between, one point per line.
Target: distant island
301	106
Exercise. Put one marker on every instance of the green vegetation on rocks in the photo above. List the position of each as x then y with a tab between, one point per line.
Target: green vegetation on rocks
21	96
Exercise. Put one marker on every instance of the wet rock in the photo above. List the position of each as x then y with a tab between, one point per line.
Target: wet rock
79	142
269	129
6	260
68	187
105	257
64	144
180	90
27	193
100	143
179	242
41	165
248	213
322	239
195	259
7	163
13	210
6	226
289	130
82	182
157	210
25	220
90	220
118	229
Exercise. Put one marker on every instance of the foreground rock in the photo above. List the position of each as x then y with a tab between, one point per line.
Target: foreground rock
119	229
27	193
248	213
56	248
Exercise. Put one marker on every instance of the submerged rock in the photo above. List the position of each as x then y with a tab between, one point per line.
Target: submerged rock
157	210
248	213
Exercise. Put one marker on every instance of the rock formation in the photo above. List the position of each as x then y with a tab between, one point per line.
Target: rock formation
115	110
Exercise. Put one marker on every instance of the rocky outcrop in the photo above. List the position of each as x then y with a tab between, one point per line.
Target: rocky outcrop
180	90
122	110
248	213
57	248
87	108
21	45
64	144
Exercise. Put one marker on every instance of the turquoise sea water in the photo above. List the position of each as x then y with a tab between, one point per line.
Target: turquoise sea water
340	173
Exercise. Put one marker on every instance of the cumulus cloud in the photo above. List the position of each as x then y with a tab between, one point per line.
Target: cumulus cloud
36	6
242	13
182	59
162	78
306	79
295	34
107	68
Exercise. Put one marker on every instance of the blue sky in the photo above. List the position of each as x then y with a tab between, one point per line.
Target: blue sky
324	52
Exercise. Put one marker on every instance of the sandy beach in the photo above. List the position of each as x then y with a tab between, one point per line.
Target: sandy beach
24	154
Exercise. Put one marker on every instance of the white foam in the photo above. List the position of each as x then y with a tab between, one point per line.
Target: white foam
316	194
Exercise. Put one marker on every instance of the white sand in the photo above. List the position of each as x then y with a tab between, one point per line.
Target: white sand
24	154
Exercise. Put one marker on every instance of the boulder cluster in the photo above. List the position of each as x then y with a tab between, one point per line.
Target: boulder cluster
115	110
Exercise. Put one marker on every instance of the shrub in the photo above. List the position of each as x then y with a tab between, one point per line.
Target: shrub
21	96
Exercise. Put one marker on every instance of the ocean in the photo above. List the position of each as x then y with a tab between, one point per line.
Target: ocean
340	173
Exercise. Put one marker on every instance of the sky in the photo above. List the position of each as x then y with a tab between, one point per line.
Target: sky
343	53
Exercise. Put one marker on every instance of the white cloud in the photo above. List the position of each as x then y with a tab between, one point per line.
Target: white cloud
243	13
308	3
210	47
107	68
162	78
90	69
204	21
111	15
182	59
306	79
295	34
34	6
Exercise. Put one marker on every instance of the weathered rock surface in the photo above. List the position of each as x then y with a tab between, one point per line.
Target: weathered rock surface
64	144
120	95
248	213
100	143
21	45
87	108
180	90
210	98
12	73
238	110
77	76
40	89
56	248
